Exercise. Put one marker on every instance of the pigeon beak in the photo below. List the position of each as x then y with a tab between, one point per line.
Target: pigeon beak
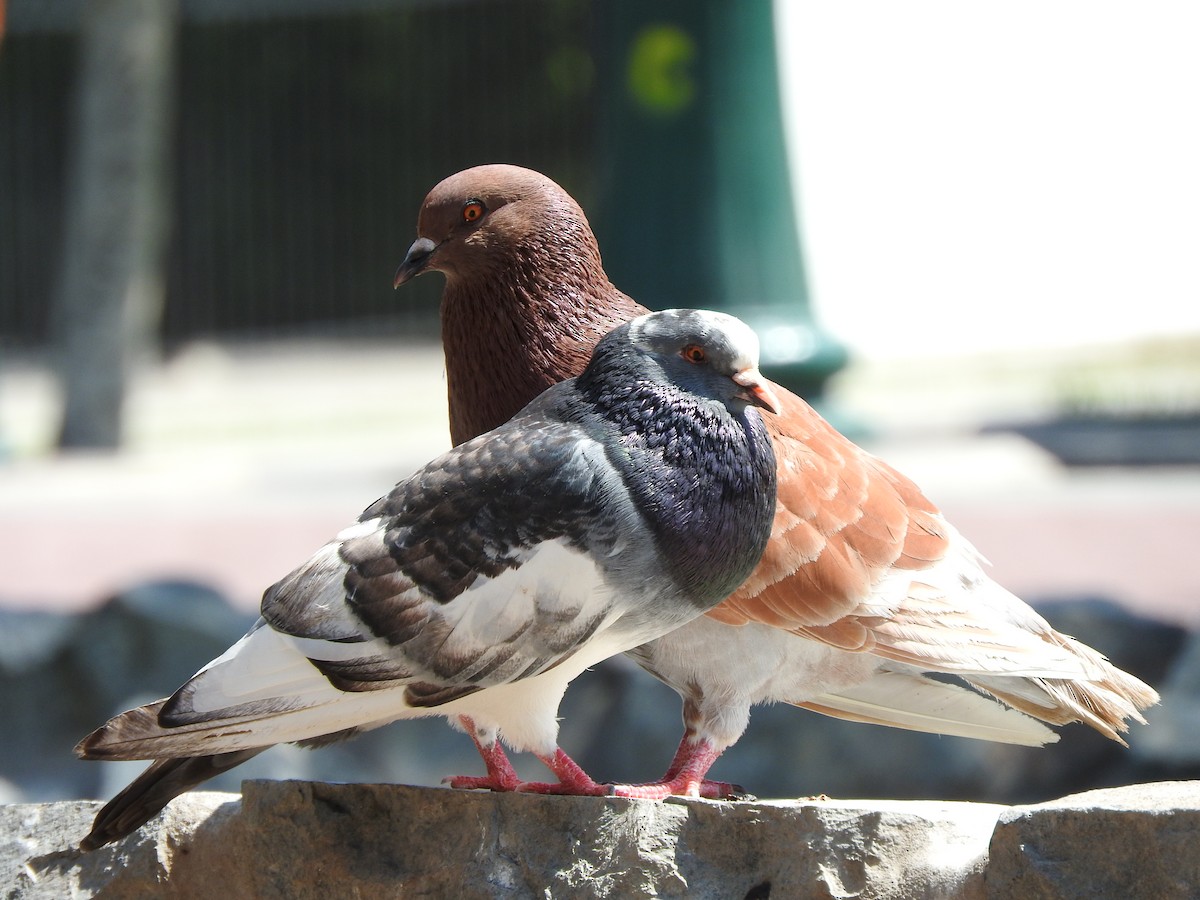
415	261
756	390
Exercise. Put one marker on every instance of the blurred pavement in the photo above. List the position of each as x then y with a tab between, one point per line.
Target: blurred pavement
244	457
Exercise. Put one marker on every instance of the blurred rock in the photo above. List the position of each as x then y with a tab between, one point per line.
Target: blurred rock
302	840
1174	742
1184	674
29	639
61	677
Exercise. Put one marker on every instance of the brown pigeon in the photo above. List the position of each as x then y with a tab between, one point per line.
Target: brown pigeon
864	587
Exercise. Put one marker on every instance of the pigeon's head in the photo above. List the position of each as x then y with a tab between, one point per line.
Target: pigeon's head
481	221
711	354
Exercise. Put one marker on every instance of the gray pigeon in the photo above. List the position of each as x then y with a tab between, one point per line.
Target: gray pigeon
613	508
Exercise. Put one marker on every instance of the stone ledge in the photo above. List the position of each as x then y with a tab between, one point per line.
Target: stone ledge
1137	841
313	840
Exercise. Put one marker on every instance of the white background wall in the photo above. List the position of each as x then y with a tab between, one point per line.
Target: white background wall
981	176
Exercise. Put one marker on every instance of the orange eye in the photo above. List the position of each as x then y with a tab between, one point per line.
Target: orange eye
472	210
694	353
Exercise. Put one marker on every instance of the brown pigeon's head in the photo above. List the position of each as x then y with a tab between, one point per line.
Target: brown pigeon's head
482	220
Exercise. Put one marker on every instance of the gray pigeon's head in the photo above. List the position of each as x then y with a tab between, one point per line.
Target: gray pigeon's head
672	390
711	354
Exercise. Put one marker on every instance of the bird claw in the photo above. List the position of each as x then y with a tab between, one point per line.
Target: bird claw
723	790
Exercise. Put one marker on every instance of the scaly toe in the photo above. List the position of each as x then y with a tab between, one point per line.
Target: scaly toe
681	787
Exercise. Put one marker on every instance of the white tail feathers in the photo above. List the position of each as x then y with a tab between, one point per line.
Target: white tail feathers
913	701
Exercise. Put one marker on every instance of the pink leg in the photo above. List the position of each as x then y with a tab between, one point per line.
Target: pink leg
501	776
681	756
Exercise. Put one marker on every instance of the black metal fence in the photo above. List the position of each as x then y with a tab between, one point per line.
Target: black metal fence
305	137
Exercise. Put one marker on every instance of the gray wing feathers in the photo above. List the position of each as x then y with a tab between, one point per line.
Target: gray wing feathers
528	554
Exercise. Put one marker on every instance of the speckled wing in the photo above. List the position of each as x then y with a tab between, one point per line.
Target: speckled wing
489	565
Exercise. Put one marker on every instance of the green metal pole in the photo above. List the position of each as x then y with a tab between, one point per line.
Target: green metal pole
695	204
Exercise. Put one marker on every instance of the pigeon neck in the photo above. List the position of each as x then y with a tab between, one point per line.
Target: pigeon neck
518	330
690	473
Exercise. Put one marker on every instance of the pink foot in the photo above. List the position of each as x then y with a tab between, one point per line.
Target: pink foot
685	777
572	780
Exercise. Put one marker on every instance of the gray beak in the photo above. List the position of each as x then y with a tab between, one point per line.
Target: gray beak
415	261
